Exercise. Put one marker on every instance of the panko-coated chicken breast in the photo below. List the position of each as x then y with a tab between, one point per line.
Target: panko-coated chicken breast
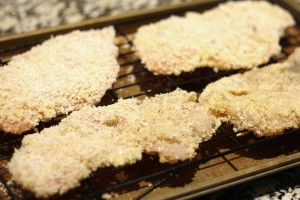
63	74
171	125
234	35
264	100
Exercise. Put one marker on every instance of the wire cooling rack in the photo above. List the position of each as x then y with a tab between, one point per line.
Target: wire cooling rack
224	160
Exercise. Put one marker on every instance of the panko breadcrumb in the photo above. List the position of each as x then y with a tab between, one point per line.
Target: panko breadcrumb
61	75
234	35
265	100
56	160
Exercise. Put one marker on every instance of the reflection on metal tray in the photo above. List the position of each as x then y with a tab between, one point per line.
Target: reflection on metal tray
225	160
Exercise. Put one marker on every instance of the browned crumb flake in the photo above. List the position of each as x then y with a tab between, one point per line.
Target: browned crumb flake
54	161
265	100
61	75
234	35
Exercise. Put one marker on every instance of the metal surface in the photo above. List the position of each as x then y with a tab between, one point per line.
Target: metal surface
225	160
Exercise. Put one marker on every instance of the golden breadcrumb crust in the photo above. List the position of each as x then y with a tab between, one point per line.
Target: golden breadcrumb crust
57	159
264	100
233	35
61	75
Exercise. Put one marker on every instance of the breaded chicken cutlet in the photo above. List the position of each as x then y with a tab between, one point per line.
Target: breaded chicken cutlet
233	35
264	100
171	125
61	75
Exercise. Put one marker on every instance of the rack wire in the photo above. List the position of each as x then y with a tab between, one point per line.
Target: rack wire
136	81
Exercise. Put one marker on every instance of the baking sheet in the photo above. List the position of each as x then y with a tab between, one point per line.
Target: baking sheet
222	162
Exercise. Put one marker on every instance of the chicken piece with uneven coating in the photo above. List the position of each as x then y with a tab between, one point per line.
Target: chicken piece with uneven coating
174	125
171	125
61	75
233	35
264	100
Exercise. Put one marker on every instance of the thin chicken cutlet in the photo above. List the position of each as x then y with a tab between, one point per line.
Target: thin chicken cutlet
233	35
61	75
264	100
171	125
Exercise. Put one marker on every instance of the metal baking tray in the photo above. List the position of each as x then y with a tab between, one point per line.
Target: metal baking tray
225	160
